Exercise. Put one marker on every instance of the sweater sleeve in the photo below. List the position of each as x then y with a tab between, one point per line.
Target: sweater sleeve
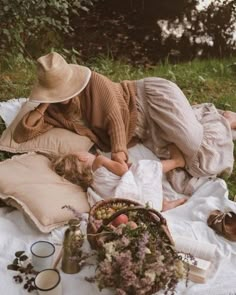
24	132
113	112
116	131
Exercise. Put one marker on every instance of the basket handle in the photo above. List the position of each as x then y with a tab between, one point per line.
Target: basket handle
134	208
144	209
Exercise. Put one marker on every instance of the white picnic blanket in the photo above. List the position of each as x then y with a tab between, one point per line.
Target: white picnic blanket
16	233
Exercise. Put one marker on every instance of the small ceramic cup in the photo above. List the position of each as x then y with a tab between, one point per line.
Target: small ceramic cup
48	282
42	255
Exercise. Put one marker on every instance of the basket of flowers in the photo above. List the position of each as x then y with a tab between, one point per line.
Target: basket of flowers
135	250
100	213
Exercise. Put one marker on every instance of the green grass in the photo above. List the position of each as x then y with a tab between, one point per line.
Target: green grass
211	80
16	77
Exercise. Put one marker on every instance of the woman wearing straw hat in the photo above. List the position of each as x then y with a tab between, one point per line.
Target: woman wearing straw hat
114	115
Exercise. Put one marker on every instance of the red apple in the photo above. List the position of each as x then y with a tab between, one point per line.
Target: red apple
121	219
132	224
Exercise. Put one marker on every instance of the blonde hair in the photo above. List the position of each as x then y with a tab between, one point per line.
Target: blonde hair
70	168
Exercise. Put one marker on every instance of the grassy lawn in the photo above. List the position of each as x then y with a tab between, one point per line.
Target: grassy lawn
201	81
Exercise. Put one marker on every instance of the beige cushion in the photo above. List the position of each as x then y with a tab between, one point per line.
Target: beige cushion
55	141
28	183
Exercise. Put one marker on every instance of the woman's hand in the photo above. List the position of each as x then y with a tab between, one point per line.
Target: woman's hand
119	157
118	168
36	114
42	107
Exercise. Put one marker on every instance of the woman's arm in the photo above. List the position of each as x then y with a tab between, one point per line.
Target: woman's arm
119	157
36	114
106	109
113	166
31	125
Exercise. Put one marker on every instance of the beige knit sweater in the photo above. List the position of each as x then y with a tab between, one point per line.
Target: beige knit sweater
108	111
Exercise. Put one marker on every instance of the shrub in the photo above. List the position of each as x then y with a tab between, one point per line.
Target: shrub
29	27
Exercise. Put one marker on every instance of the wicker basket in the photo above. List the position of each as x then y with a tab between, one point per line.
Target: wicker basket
149	215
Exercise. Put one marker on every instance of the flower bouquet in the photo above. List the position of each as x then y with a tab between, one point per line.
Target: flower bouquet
135	250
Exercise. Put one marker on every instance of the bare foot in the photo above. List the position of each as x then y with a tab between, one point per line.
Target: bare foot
167	205
176	155
231	118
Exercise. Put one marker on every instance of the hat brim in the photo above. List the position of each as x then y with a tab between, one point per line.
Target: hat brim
65	91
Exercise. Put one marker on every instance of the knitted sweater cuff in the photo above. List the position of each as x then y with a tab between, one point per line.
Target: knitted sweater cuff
24	132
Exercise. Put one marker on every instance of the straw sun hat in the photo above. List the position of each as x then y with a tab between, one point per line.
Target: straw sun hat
58	81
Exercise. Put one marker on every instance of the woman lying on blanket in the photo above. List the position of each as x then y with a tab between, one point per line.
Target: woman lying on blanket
108	178
114	116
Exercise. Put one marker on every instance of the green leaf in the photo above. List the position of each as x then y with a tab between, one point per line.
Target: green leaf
6	8
29	266
12	267
201	78
6	32
19	253
75	51
172	75
84	8
23	257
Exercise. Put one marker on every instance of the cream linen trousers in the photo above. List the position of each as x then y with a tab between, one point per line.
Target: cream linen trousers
200	132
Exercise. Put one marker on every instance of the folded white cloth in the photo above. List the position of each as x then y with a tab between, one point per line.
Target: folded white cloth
142	183
10	108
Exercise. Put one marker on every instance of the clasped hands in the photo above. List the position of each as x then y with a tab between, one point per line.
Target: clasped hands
121	158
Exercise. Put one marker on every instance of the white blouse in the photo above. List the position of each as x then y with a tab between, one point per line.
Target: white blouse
142	183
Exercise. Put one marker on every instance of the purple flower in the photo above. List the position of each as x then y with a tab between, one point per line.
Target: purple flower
141	245
138	262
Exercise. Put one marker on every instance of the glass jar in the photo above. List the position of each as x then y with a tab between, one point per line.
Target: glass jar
72	243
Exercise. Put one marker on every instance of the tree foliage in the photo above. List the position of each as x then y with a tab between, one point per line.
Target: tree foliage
142	30
145	30
218	25
31	26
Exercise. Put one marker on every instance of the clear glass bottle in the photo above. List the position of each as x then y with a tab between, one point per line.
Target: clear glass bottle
73	241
